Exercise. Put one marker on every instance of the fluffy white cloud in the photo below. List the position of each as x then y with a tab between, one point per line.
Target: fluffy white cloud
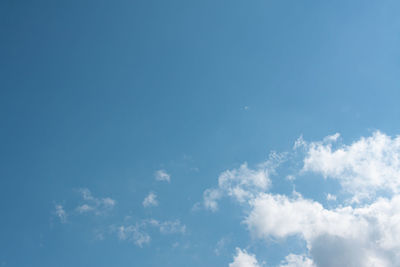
61	213
162	175
279	216
363	168
363	232
244	259
150	200
242	183
98	206
346	236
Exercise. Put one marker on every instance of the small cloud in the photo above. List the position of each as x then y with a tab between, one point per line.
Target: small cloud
330	197
150	200
293	260
84	208
93	204
299	143
162	175
61	214
86	194
291	178
220	246
133	233
197	206
332	138
244	259
211	197
137	233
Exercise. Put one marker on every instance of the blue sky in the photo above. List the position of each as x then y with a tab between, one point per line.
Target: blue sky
162	133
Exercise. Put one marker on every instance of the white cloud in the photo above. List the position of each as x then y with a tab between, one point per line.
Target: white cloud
363	232
363	168
211	197
330	197
84	208
242	183
279	216
138	232
133	233
162	175
344	236
150	200
290	177
108	202
98	206
244	259
61	214
293	260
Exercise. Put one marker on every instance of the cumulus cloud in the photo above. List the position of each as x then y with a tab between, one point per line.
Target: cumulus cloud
363	168
242	183
61	213
244	259
345	236
98	206
362	232
150	200
162	175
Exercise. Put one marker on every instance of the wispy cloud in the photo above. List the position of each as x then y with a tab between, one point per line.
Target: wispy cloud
134	233
293	260
168	227
91	204
242	183
162	175
138	232
330	197
150	200
220	246
60	213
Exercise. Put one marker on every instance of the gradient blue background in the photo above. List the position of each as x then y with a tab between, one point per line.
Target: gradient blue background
100	94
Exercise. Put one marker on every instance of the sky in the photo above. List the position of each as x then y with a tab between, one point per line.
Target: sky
234	133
